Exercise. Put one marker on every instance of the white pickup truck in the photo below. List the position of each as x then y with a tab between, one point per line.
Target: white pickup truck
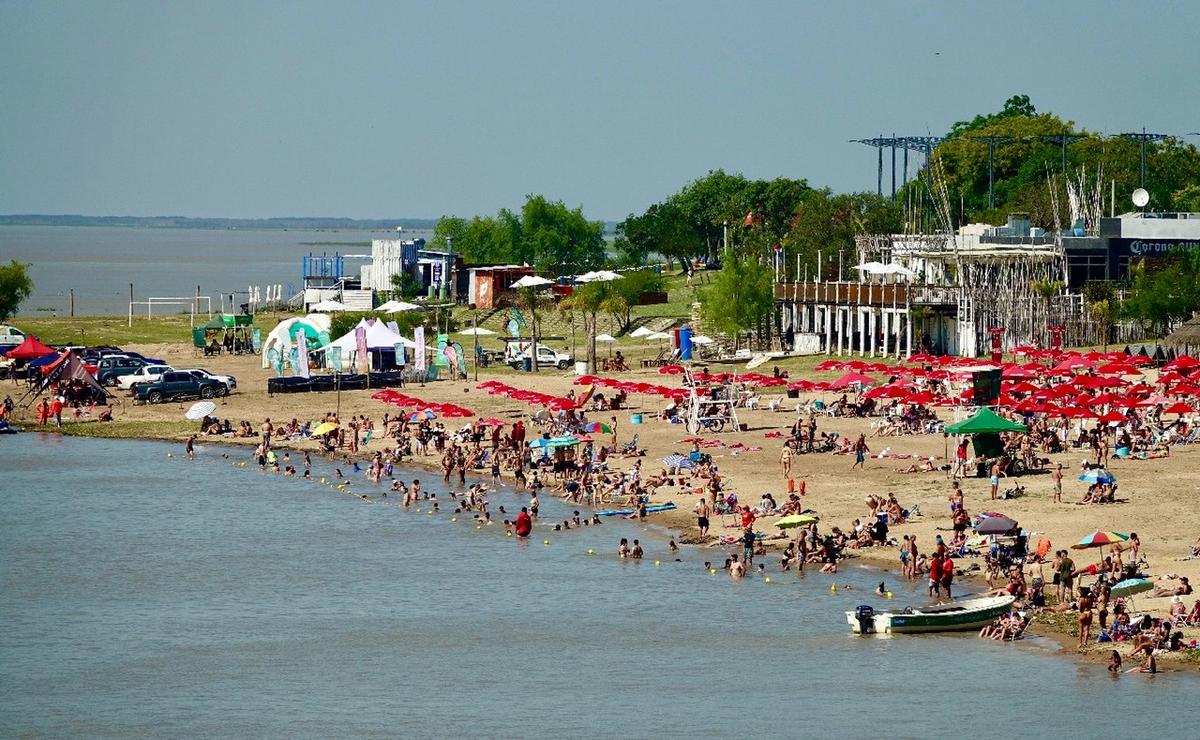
143	374
515	354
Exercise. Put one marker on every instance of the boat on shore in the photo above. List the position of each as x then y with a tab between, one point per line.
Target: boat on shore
966	614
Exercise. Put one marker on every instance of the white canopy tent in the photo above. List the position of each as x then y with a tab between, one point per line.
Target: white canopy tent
378	337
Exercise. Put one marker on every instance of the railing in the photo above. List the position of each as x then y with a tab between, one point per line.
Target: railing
865	294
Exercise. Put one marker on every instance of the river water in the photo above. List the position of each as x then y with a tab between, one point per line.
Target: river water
147	595
100	262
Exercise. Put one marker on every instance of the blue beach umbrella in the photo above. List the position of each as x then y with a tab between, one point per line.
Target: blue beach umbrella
1098	475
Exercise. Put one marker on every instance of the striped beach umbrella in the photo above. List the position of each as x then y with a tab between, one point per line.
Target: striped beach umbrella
1099	539
678	462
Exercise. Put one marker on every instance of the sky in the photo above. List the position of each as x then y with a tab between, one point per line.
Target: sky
400	109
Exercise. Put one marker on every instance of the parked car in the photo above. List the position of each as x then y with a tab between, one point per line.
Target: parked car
178	384
229	380
515	354
111	368
144	374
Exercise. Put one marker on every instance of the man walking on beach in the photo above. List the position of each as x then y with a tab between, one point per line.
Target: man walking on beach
1058	477
702	514
860	452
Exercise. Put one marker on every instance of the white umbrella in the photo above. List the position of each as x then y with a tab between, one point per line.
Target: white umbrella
600	276
398	307
894	269
701	339
658	335
200	409
477	332
330	306
873	268
532	281
641	331
605	338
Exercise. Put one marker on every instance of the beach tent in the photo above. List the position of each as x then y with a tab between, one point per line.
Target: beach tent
379	336
29	349
985	427
314	327
69	367
985	421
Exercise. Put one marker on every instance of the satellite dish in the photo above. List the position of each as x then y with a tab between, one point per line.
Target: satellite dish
1141	197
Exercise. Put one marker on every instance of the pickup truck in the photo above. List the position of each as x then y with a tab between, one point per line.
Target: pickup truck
177	385
229	380
144	374
515	354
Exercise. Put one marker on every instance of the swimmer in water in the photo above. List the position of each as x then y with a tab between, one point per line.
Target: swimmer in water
673	547
623	549
881	590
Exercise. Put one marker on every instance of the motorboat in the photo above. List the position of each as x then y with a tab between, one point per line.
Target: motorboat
951	616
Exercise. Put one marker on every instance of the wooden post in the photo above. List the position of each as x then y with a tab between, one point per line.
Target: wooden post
72	303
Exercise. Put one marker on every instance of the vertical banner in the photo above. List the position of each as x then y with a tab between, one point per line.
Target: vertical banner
301	369
439	357
334	355
362	356
399	354
257	339
419	338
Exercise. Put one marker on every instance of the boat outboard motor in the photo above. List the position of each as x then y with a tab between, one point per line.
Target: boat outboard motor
866	619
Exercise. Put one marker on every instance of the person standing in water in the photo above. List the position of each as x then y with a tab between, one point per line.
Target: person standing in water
523	525
190	448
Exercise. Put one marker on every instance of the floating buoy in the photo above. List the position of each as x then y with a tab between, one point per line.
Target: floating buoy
545	542
889	594
658	562
767	579
508	534
713	571
454	519
430	513
170	455
833	588
591	552
323	481
478	526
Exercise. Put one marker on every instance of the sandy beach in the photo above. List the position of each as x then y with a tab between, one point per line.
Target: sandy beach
1163	494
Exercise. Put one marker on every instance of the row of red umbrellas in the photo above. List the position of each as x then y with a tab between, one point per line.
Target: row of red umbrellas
533	398
629	386
402	400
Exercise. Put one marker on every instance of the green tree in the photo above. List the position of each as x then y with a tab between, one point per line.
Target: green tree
739	297
1166	295
621	296
15	287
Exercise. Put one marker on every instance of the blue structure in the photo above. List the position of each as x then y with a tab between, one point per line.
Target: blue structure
321	271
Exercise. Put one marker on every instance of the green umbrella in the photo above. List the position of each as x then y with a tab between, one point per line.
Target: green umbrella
984	421
796	520
1131	586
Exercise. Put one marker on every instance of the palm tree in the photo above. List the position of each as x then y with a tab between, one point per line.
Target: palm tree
532	301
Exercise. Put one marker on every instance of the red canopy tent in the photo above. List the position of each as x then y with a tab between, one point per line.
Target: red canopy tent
29	349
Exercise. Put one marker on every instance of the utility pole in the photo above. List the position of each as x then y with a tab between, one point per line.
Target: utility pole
1142	138
992	140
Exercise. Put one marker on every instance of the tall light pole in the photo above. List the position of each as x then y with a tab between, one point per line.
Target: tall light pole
1142	138
725	238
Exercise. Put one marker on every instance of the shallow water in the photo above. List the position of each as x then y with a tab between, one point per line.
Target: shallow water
154	596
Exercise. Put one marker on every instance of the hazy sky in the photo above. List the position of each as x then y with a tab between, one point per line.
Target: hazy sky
254	109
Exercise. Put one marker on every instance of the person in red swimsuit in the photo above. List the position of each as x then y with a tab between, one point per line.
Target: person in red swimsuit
523	525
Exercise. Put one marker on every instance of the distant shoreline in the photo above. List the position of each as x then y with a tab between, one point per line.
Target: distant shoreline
299	223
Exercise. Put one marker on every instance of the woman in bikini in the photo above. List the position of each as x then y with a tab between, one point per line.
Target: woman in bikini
1085	615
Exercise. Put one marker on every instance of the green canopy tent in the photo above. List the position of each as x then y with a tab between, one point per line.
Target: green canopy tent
985	427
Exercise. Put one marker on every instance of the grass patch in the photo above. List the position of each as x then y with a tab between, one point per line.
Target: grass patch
128	429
